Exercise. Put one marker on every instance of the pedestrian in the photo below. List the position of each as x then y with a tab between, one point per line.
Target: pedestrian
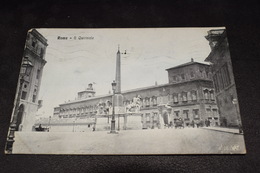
171	124
224	122
192	123
40	127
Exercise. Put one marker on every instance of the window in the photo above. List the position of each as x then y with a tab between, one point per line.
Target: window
23	95
34	98
154	101
208	110
38	74
175	98
182	76
33	43
184	96
34	95
147	102
144	102
41	52
155	115
196	113
147	116
175	78
206	94
215	112
201	72
141	102
193	95
177	113
207	73
186	114
212	95
192	74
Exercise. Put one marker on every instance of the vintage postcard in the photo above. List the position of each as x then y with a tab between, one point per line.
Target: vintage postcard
126	91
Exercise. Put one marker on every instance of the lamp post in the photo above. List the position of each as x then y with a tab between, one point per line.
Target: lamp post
118	122
235	102
211	117
113	122
25	70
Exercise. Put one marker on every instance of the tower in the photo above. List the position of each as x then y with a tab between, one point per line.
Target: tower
89	92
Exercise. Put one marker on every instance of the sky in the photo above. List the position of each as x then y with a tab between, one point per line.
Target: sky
73	63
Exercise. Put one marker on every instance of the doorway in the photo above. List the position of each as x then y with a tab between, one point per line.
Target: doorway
165	118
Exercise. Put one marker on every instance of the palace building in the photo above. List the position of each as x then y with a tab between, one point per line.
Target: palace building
189	95
223	78
35	48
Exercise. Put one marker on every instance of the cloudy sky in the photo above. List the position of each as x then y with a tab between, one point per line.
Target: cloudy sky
74	63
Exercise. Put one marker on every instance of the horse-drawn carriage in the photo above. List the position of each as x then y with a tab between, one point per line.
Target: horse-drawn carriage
179	123
41	129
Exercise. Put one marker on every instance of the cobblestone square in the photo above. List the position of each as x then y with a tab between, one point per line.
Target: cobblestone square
154	141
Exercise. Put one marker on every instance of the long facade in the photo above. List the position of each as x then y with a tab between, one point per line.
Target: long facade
188	95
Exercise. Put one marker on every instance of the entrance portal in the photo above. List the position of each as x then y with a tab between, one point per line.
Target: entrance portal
165	118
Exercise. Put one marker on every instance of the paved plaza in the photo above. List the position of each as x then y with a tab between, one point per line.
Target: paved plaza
152	141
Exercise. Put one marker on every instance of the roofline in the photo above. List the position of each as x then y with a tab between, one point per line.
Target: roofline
183	65
39	36
134	90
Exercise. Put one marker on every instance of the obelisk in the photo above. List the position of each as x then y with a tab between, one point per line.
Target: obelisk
118	72
118	97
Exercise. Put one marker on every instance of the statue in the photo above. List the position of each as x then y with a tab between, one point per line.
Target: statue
135	105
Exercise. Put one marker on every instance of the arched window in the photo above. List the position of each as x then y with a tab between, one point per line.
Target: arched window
212	97
206	94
